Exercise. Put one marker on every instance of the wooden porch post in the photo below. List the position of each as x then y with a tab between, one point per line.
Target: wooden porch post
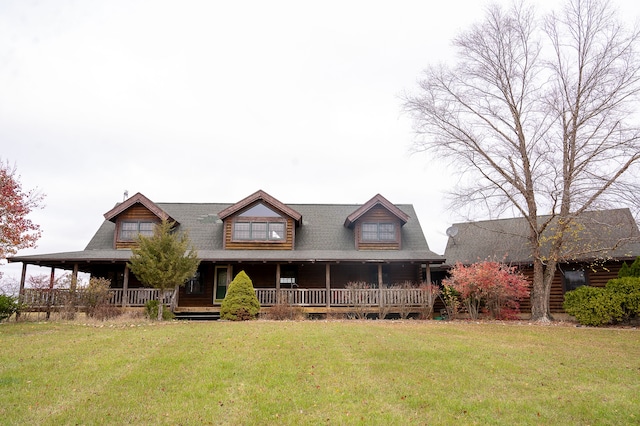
278	283
72	289
125	286
327	280
380	284
74	277
23	278
51	281
428	273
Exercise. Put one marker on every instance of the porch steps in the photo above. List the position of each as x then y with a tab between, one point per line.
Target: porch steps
197	316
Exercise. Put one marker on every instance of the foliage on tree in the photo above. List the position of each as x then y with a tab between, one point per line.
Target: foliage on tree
630	271
536	116
618	301
451	300
17	231
164	260
489	285
241	302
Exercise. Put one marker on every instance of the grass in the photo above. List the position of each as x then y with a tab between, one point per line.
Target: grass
317	372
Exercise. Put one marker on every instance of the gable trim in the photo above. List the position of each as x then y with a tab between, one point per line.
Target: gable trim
376	200
266	198
138	198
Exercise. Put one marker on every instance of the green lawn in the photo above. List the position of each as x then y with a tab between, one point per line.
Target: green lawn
318	372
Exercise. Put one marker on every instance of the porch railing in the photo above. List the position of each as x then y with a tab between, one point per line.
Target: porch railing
54	298
339	297
342	297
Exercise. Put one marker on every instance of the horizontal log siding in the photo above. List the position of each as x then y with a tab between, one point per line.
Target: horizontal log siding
401	273
342	274
136	212
261	274
312	275
286	244
378	214
597	276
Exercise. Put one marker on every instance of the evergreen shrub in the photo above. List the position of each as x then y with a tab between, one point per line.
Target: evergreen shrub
8	306
618	301
241	302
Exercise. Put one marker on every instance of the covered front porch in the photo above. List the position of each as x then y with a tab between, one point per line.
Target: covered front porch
313	286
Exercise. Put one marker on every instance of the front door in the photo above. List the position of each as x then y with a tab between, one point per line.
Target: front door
221	281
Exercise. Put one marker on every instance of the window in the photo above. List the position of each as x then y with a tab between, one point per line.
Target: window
260	231
259	210
378	232
574	279
288	276
129	230
194	285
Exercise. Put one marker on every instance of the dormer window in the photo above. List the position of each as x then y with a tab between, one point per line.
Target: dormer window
258	231
129	230
259	223
378	231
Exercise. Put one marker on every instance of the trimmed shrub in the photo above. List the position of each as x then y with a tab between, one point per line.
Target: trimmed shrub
96	299
589	305
625	292
241	302
8	306
618	301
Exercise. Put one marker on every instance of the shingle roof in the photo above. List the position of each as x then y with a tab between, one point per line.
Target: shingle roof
600	234
322	236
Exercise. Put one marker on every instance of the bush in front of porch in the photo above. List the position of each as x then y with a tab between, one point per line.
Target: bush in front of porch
240	303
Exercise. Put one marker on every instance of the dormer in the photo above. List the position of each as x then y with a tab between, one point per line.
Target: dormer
136	215
259	222
377	225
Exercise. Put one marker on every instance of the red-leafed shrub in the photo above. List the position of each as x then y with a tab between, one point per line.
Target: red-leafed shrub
491	286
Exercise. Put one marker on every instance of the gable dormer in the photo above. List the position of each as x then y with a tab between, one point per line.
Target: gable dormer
377	225
259	222
136	215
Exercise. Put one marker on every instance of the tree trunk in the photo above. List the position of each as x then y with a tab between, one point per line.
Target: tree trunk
542	278
160	293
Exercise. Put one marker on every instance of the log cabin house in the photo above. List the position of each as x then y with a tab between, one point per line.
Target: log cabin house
302	254
595	249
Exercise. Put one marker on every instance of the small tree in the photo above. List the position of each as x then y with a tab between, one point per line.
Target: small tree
241	302
489	284
164	260
16	230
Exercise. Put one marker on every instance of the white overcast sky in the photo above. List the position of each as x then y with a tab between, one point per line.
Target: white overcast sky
209	101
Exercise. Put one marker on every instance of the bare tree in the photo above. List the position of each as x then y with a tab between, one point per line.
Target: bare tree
537	116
